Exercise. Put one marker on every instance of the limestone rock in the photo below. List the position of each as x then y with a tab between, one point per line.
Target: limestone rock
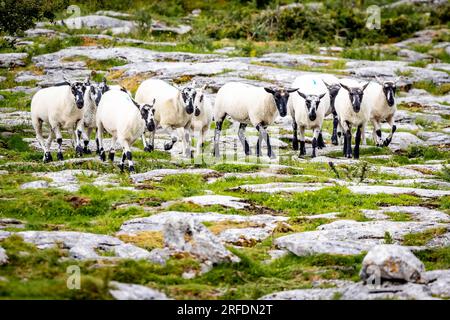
126	291
391	262
10	60
39	184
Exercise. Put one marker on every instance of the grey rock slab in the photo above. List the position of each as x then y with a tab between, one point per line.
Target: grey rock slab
112	13
349	237
428	103
290	187
402	140
3	256
410	55
11	223
425	168
263	225
127	291
40	32
84	246
438	282
39	184
4	234
391	262
210	200
392	190
420	181
158	174
442	240
325	159
65	179
416	213
15	118
9	60
191	236
400	171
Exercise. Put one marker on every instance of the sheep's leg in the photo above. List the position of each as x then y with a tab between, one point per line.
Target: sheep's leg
294	135
201	140
187	141
241	135
264	135
173	138
315	141
86	138
128	156
37	125
217	131
377	133
302	142
357	141
59	140
320	142
393	129
79	132
340	134
99	141
49	141
112	149
122	161
334	136
147	146
347	139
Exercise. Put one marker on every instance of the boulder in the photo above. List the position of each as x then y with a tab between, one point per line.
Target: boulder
126	291
11	60
391	262
402	140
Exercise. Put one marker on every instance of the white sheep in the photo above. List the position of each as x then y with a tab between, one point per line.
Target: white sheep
125	120
352	113
173	110
60	107
308	109
248	104
381	97
200	123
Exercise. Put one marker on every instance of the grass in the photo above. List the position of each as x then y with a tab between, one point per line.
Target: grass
422	238
432	88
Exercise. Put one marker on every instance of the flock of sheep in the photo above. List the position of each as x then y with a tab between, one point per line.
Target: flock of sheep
81	107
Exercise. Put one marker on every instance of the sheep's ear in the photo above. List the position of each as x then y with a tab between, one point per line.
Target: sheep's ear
326	84
154	101
365	86
344	86
301	94
321	96
290	90
271	91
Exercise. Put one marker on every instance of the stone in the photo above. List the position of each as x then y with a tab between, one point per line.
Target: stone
66	179
379	189
277	187
350	237
15	118
210	200
111	13
86	246
191	236
11	60
425	168
400	171
391	262
158	174
420	182
40	32
11	223
39	184
402	140
438	282
126	291
427	102
3	256
410	55
417	213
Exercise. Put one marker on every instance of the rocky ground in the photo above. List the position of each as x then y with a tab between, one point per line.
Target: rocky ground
288	228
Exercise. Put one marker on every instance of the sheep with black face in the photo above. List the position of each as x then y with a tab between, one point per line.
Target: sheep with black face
248	104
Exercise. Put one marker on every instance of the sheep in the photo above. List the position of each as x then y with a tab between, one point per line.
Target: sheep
200	123
125	120
381	96
352	112
91	101
248	104
59	106
173	109
308	110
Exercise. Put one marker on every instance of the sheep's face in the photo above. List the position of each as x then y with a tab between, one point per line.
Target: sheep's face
281	97
95	93
198	104
188	94
389	89
78	89
356	96
148	114
333	90
312	104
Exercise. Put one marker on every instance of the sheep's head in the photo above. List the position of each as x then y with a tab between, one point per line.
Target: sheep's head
188	94
312	102
78	89
281	97
333	90
389	89
356	95
148	114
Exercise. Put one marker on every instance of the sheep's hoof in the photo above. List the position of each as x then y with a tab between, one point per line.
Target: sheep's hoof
349	156
60	156
168	146
334	141
295	145
121	167
102	155
48	157
87	151
272	156
111	156
79	151
131	169
148	148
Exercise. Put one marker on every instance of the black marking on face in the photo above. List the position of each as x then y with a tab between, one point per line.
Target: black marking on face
188	94
312	104
389	89
281	97
148	113
78	89
355	95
